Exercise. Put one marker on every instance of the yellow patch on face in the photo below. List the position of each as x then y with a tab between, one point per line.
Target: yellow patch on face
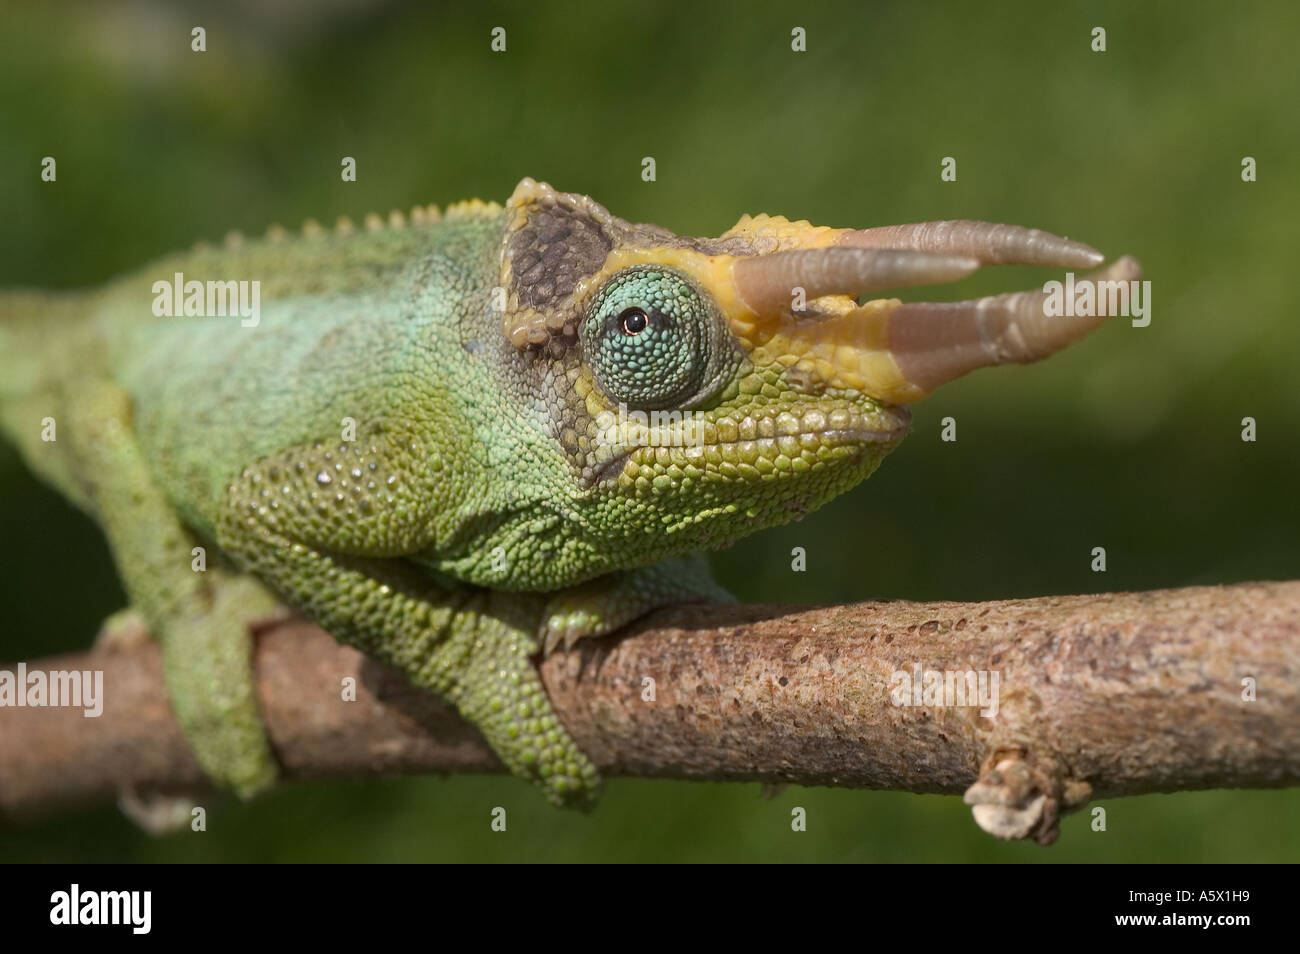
776	233
848	350
593	400
711	272
845	348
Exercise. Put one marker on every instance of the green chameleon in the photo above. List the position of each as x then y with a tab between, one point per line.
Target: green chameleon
458	440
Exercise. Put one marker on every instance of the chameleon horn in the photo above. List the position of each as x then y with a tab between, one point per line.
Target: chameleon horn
932	343
988	242
766	283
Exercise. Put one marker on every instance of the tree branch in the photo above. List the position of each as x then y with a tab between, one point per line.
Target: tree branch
1097	696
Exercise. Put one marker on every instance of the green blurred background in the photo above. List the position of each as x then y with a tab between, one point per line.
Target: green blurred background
1130	440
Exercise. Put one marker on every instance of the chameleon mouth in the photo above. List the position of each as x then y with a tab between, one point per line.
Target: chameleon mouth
765	444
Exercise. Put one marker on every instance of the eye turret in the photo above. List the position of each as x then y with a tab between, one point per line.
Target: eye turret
653	339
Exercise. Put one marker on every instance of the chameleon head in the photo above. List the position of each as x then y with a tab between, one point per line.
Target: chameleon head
701	388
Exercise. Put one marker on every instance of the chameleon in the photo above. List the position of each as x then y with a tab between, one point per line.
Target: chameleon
458	440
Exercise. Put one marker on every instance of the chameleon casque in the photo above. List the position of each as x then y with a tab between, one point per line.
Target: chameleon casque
500	494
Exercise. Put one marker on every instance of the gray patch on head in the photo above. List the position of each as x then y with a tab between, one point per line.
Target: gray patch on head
556	239
557	248
567	237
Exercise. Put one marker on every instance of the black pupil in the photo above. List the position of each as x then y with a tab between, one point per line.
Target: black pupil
634	321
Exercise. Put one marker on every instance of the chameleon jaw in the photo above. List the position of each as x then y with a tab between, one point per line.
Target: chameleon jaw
793	439
798	305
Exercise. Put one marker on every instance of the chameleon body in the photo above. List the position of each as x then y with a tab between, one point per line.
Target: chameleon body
468	439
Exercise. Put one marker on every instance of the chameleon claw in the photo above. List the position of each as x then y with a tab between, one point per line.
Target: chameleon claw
565	629
553	635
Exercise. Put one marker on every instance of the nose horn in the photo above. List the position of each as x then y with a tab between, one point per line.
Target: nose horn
933	343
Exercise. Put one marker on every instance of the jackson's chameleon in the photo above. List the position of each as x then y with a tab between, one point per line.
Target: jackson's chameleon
461	439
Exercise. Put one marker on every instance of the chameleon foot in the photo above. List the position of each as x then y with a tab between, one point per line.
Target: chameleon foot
499	690
607	603
207	664
122	631
207	661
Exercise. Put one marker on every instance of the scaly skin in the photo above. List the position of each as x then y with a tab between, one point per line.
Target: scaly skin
414	444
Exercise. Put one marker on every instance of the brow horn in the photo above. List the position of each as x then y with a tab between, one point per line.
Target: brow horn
766	283
989	242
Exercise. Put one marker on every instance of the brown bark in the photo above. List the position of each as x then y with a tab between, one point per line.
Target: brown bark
1100	696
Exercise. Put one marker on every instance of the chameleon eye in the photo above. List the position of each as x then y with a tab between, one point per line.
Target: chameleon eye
652	340
634	321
